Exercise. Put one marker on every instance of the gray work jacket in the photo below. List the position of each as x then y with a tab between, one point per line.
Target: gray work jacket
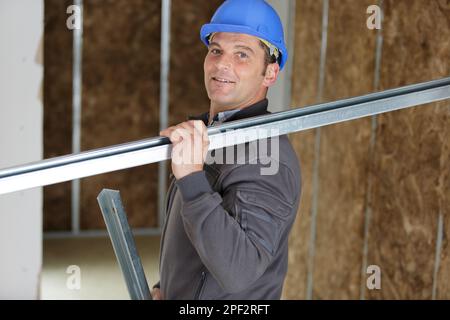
226	230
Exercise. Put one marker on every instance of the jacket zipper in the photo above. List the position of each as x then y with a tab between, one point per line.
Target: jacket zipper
200	286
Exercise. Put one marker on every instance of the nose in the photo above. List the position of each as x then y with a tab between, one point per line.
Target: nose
224	62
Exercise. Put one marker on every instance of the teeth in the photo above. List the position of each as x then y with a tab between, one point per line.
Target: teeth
222	80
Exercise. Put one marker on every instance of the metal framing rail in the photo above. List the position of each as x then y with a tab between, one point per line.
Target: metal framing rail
156	149
123	243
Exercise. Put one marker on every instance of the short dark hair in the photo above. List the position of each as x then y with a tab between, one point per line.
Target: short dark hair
268	58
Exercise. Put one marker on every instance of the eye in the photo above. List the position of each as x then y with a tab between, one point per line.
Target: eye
214	51
242	55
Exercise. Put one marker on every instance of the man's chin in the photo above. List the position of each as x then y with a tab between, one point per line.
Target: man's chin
221	100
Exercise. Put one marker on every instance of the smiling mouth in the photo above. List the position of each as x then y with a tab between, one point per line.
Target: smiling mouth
221	80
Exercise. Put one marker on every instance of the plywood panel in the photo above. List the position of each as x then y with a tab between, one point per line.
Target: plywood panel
304	92
57	108
121	62
344	153
410	148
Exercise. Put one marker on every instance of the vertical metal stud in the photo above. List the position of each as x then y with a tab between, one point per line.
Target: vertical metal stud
368	209
315	193
76	112
164	102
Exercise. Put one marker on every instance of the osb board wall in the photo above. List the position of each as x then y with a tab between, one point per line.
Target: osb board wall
121	63
410	172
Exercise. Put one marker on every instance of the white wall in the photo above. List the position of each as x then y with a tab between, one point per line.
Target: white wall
21	73
280	94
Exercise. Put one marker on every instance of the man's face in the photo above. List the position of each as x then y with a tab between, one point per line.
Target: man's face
234	68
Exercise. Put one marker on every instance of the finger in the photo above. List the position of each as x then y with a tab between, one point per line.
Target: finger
173	135
181	155
166	132
181	133
205	137
201	138
197	132
195	122
202	131
156	294
188	126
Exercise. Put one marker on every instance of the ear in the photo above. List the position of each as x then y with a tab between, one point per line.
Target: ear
271	75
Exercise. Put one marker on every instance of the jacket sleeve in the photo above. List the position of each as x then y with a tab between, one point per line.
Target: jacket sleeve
237	245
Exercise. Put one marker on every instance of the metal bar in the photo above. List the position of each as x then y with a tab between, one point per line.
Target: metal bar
156	149
123	244
76	112
164	101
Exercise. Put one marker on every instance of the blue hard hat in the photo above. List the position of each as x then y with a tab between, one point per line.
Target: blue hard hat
253	17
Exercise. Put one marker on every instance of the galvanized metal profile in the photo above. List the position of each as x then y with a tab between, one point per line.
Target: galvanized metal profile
437	255
164	102
76	111
123	244
373	134
156	149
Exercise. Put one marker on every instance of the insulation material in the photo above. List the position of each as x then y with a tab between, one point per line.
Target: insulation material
410	172
411	158
121	62
187	87
57	108
344	152
442	286
304	92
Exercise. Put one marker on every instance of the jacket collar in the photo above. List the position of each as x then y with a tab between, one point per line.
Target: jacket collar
254	110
